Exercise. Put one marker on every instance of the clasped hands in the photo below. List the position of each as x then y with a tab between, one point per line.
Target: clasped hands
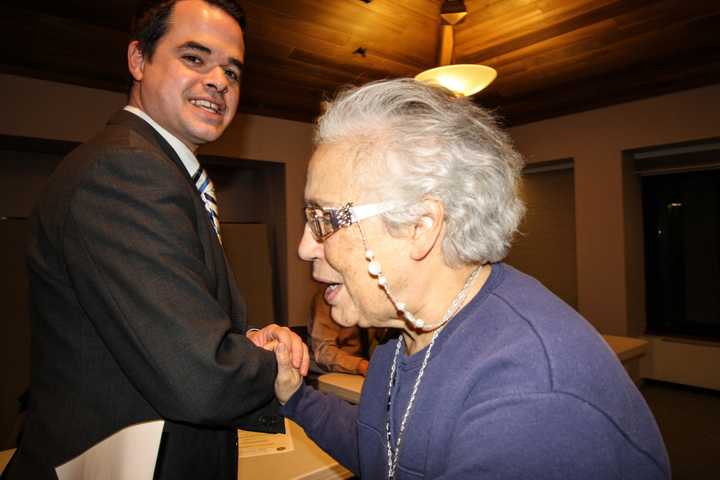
293	358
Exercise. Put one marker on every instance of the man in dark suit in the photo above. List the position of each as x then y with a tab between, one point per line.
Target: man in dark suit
136	316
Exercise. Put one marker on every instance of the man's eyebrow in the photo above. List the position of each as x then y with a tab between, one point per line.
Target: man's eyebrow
238	64
195	46
202	48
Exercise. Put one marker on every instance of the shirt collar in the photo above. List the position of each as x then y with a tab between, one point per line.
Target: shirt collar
187	157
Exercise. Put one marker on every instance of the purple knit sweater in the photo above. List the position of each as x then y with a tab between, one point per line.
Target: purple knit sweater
518	386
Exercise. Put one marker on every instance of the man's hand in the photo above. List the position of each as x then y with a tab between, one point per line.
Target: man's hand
271	336
288	378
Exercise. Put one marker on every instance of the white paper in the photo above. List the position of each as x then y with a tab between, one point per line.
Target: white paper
253	444
129	454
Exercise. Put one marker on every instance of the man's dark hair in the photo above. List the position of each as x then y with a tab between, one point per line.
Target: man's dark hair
151	21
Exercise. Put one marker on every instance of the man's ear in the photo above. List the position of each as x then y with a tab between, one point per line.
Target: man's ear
136	60
427	229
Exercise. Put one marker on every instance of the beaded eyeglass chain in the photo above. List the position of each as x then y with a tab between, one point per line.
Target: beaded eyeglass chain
393	454
375	270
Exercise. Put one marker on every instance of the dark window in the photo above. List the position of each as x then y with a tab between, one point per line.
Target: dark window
682	253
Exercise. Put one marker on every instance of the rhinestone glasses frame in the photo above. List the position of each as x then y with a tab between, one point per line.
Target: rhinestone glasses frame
325	221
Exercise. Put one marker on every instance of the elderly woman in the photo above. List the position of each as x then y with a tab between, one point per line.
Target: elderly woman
411	205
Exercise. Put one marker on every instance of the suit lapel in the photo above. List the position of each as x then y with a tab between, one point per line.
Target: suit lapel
225	291
133	122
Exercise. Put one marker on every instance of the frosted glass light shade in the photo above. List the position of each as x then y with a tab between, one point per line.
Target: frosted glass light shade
462	79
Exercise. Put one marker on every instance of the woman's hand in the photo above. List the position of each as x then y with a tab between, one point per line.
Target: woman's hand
288	378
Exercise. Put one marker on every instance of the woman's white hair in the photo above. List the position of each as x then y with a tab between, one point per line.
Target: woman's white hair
412	142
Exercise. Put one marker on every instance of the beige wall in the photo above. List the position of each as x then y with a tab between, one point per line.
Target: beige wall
609	270
264	138
545	247
35	108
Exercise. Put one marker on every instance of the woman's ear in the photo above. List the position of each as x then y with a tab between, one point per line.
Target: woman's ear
136	60
427	229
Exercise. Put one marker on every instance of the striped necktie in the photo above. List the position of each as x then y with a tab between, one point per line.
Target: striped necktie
207	193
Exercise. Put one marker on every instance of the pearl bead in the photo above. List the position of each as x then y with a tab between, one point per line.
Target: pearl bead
419	322
382	281
369	254
374	268
400	306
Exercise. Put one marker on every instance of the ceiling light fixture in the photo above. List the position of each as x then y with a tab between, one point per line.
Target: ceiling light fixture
461	79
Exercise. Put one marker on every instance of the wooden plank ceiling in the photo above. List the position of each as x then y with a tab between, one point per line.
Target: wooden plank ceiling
552	56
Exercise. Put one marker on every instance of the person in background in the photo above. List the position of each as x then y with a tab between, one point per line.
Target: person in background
336	348
135	313
411	205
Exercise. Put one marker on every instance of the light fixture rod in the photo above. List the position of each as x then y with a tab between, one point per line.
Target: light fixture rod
446	51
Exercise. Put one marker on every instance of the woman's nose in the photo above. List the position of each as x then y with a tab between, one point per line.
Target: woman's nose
309	249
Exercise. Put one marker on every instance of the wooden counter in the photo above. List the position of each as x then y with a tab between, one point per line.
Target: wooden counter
345	386
5	457
626	348
306	462
629	351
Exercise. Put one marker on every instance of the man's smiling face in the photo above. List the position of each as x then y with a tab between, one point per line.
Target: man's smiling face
191	85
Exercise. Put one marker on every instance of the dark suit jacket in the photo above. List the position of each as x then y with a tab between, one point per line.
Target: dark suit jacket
136	315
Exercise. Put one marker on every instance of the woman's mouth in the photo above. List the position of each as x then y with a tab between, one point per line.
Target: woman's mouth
332	291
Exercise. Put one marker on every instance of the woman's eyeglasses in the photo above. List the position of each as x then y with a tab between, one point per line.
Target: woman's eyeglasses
324	221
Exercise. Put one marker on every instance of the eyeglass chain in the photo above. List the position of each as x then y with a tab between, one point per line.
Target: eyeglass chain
375	270
393	454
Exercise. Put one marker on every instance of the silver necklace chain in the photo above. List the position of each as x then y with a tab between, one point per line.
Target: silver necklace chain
393	454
